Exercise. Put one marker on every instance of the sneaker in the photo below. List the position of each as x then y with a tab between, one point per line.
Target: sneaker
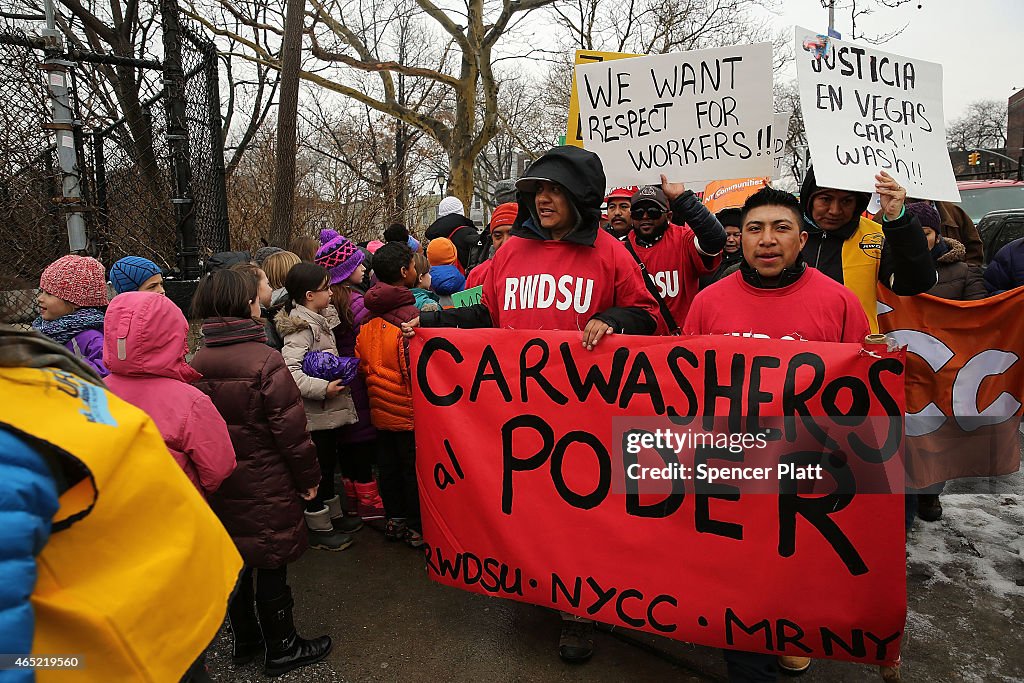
413	538
929	507
396	530
576	643
794	666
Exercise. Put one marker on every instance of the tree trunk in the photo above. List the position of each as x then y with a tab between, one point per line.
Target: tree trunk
461	183
283	202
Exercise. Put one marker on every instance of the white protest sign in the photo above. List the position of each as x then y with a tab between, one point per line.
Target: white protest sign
693	116
780	130
866	110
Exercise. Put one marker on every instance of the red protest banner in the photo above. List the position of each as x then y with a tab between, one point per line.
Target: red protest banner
965	382
526	471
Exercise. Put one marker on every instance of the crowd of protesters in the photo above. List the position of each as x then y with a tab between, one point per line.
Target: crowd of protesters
293	421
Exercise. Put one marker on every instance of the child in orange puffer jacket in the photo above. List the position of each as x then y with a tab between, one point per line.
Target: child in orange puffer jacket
384	361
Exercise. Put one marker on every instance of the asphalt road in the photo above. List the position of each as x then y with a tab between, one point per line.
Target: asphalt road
965	622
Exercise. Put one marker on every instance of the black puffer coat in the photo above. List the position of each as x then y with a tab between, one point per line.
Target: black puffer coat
260	503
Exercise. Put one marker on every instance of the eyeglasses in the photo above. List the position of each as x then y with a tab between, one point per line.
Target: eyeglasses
651	211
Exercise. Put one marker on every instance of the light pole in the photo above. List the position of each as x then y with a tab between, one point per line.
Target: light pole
64	124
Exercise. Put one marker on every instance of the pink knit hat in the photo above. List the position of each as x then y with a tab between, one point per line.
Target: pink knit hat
79	280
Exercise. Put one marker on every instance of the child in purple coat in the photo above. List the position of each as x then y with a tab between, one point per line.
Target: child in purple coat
72	299
344	261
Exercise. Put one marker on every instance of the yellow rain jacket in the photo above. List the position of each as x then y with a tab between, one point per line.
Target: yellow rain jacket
137	573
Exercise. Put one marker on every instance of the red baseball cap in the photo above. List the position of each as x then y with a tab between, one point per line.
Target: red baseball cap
622	192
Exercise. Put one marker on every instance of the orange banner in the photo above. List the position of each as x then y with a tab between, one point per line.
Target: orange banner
725	194
965	382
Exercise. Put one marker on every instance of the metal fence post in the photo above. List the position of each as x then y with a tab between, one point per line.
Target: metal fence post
215	128
177	140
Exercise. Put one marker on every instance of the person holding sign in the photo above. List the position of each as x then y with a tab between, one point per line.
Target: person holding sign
859	252
673	257
775	295
559	270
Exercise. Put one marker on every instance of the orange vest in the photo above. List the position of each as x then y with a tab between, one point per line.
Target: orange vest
136	575
383	361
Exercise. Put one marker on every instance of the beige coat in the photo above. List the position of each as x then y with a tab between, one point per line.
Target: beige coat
304	331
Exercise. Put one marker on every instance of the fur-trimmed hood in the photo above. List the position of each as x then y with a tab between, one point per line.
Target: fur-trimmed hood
956	252
301	318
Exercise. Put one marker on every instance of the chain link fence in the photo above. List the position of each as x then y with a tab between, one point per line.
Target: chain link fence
32	229
132	203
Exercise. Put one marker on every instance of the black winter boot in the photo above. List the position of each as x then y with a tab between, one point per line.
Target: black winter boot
929	507
285	649
247	640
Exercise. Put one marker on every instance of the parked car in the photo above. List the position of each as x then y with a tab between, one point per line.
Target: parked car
978	197
999	228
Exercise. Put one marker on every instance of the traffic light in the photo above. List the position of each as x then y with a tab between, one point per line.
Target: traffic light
974	159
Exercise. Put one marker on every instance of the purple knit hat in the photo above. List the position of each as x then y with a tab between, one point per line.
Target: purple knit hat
338	255
926	214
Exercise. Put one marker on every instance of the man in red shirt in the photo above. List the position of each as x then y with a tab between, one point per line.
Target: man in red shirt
560	271
501	225
775	294
619	220
674	257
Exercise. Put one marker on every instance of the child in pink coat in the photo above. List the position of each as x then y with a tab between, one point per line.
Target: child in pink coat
144	346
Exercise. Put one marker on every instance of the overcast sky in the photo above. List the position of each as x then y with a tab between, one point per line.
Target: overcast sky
977	42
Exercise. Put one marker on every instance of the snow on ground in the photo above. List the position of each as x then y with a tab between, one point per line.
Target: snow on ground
980	538
965	586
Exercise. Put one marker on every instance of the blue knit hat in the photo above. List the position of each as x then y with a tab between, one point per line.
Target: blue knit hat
128	274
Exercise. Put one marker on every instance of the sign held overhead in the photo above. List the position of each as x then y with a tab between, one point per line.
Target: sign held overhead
693	116
867	111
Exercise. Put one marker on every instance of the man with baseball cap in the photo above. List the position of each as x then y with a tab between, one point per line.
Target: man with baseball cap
673	257
618	203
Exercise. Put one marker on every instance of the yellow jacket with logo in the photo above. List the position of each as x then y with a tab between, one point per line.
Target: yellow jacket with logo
862	254
137	572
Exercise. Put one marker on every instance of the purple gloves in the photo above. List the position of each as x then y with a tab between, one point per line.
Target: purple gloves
325	365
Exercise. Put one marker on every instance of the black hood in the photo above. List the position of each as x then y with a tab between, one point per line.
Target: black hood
446	225
580	172
807	192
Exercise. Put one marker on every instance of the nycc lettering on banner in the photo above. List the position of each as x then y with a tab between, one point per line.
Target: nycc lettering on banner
866	110
541	446
691	115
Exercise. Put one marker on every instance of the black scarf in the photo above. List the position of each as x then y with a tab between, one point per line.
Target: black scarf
787	277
